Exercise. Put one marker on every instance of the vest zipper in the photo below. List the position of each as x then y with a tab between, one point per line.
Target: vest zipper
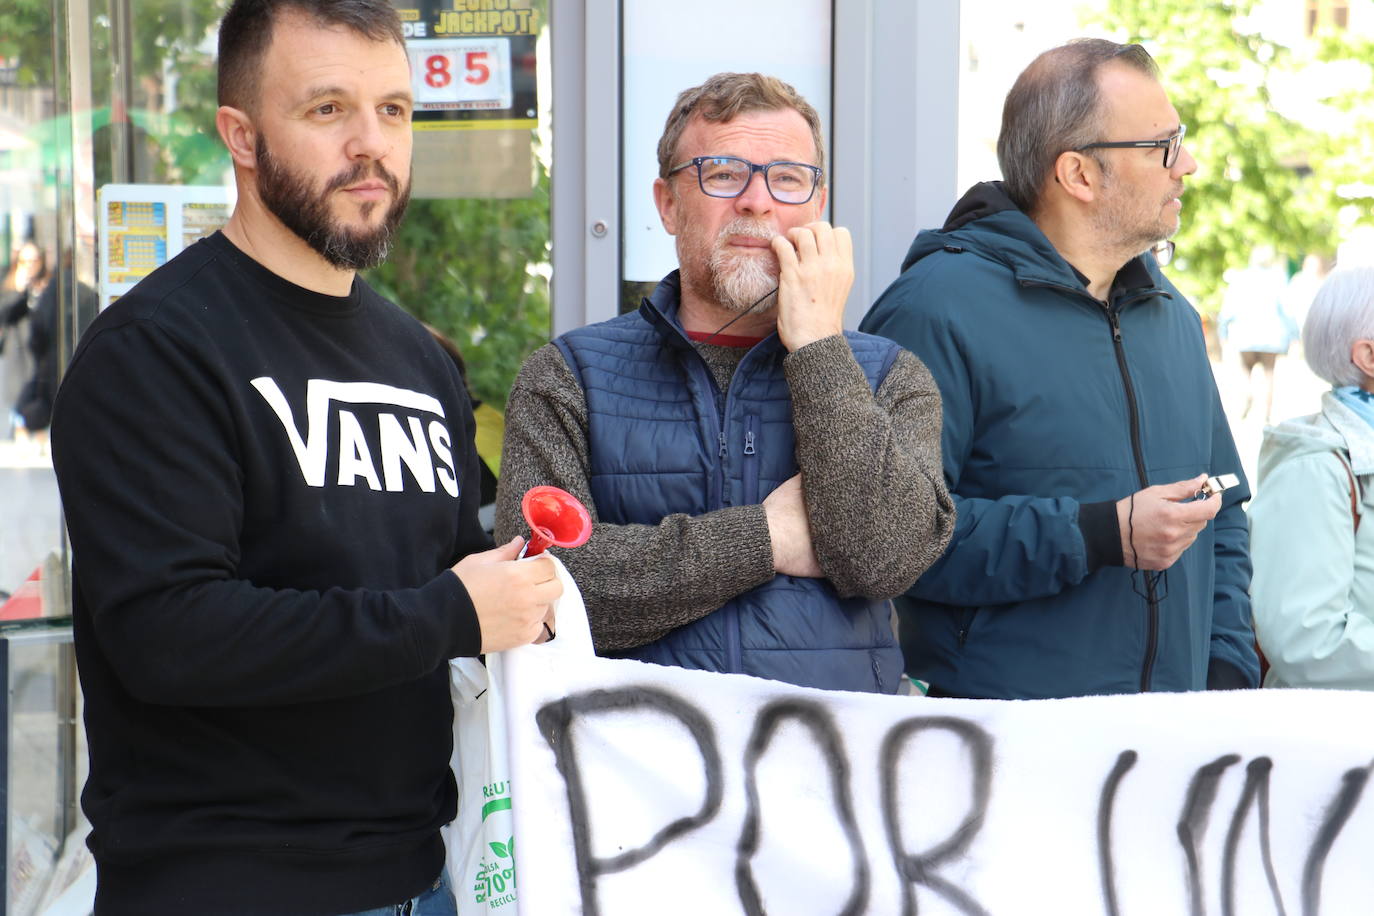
734	660
751	463
717	497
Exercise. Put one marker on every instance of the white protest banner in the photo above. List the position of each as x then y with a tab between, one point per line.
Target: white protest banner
641	789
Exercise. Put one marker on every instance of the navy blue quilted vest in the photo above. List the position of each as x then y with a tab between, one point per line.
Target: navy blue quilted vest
664	439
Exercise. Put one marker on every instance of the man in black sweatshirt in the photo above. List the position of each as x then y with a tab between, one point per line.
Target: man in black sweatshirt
271	487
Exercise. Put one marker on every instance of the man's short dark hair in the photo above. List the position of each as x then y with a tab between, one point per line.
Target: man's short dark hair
727	95
1055	106
245	34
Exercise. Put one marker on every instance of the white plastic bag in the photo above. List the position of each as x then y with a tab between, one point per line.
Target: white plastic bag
481	840
481	848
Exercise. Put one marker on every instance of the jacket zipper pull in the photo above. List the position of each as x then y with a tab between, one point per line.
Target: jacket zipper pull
722	443
1115	322
749	442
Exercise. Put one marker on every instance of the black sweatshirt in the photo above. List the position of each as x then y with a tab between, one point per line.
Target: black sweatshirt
265	488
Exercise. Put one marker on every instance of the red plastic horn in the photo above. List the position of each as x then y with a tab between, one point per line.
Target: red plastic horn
555	518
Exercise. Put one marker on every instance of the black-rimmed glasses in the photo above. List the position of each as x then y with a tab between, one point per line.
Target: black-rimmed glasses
1171	146
1163	252
728	176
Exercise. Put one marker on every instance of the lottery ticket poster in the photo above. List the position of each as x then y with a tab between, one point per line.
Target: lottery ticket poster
473	69
141	226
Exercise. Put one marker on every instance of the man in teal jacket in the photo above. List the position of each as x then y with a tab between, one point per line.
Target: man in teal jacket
1080	413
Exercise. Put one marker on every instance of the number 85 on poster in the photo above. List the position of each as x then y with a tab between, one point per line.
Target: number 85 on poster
460	73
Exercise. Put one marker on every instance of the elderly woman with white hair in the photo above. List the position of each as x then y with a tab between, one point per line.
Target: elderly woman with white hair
1313	586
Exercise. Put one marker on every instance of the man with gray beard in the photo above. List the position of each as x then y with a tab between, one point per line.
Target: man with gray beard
761	481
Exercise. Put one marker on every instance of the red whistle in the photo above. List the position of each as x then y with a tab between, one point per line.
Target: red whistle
555	518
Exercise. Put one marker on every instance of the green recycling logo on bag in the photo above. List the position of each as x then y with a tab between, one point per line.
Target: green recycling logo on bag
494	881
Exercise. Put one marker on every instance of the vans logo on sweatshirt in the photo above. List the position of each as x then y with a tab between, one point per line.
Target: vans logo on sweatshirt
425	450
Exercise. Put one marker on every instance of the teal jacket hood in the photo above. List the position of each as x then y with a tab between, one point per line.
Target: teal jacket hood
987	223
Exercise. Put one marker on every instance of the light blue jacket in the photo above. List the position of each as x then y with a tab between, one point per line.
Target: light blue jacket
1313	588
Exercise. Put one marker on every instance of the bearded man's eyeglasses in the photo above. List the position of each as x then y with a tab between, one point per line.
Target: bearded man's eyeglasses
728	176
1171	146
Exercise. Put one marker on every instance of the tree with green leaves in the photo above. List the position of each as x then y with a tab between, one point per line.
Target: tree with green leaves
1264	179
1341	155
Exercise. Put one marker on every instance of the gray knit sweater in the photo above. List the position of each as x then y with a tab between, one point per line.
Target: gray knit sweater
871	473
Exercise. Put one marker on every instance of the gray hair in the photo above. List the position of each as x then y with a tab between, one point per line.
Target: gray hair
724	97
1341	313
1055	106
